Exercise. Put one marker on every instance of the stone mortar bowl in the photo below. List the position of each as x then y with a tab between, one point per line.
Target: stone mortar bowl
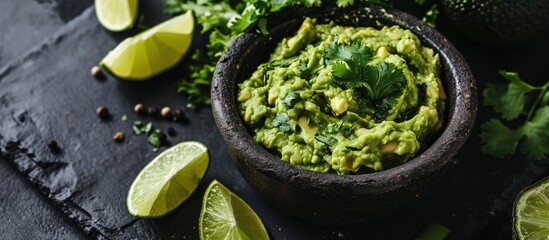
332	199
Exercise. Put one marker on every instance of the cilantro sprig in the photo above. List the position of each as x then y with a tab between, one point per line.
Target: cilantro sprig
378	86
222	21
511	101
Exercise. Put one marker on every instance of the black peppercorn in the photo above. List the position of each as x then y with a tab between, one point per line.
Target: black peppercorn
97	73
118	136
153	111
102	112
171	131
179	115
53	146
166	112
139	108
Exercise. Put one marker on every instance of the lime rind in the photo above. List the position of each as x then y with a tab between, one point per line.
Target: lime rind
116	15
168	180
224	215
152	51
531	212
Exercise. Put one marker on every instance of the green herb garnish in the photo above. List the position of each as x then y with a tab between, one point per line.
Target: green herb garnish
378	86
152	133
326	141
305	71
291	99
124	118
223	21
431	16
512	100
282	122
154	139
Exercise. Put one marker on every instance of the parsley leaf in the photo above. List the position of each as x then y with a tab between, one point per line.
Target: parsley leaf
380	85
282	122
512	101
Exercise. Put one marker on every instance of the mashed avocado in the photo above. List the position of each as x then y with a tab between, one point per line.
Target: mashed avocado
319	114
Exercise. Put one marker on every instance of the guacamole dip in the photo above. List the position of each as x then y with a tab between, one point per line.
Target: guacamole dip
345	99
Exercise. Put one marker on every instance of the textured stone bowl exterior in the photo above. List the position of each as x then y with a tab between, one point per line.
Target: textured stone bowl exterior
333	199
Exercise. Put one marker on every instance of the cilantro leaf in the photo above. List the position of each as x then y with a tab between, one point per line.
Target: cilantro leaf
305	72
536	135
383	81
291	99
515	98
282	122
154	139
345	3
511	100
354	54
493	96
327	142
381	84
499	140
347	77
223	21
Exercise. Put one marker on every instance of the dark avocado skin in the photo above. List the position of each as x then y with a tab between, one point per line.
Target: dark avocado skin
498	22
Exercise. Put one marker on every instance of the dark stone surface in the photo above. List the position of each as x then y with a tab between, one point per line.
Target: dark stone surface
49	94
28	214
26	23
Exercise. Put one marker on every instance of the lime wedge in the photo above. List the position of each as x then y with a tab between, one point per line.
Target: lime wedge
152	51
531	212
116	15
225	216
168	180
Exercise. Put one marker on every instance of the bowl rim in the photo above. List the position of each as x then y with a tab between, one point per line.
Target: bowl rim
457	127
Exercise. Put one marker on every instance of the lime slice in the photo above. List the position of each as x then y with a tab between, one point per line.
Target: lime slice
531	212
116	15
152	51
225	216
168	180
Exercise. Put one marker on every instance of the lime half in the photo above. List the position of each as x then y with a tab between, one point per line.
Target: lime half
531	213
225	216
152	51
168	180
116	15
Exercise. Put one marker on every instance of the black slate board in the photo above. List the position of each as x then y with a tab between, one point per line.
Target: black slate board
49	94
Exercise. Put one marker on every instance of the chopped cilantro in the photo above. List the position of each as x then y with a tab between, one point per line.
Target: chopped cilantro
152	133
223	21
511	101
305	72
154	139
291	99
327	142
282	122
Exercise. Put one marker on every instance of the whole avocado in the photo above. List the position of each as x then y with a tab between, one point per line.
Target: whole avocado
498	22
